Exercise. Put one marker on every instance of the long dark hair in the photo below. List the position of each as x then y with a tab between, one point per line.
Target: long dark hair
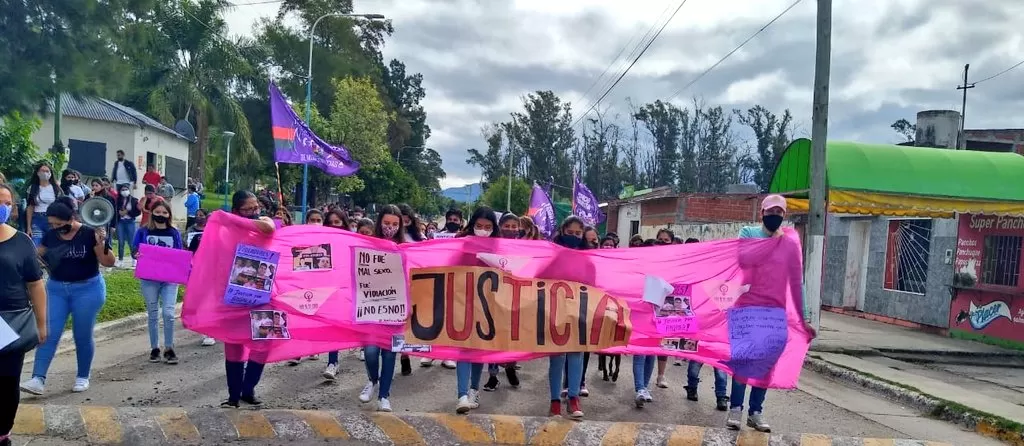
485	213
33	188
238	200
341	216
389	209
414	223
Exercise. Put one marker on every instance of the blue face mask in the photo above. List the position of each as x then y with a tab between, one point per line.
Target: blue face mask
5	213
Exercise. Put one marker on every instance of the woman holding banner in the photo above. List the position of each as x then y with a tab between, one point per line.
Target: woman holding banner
242	367
509	224
380	362
159	296
570	235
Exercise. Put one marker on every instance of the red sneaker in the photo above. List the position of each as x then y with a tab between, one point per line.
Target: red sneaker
574	409
556	408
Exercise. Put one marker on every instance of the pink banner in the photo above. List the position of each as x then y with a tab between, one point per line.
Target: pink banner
161	264
732	304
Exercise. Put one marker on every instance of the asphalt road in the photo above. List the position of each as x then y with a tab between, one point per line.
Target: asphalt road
122	376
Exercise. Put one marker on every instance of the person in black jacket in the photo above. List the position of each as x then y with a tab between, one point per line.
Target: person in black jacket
124	171
127	211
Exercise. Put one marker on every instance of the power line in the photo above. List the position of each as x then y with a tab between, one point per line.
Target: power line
624	73
999	73
734	50
259	2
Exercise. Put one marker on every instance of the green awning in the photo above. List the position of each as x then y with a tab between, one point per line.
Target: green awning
904	170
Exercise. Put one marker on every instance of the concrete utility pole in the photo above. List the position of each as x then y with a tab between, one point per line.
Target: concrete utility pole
819	138
961	141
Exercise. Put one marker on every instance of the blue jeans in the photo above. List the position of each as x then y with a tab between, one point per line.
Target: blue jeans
39	225
82	301
160	297
380	368
125	236
467	376
739	391
693	377
643	367
557	364
332	358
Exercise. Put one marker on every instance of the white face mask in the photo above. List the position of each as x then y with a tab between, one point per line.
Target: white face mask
481	233
45	176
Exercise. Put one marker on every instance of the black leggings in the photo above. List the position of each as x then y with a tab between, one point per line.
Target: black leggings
10	393
583	381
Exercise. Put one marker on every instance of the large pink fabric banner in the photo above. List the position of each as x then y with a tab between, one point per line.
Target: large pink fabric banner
732	304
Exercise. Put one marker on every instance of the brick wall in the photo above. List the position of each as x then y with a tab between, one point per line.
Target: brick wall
1006	136
612	222
659	211
711	208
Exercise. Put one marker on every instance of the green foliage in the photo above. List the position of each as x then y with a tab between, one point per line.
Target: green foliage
124	296
17	151
359	121
496	196
388	183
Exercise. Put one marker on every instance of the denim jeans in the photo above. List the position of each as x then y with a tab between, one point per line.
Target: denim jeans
380	367
332	358
557	364
125	236
643	367
739	391
243	369
721	379
39	225
82	301
467	376
160	297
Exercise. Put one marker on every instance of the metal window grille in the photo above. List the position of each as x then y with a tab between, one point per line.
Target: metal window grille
911	242
1001	260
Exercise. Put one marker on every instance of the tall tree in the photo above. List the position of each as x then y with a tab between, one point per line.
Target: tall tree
630	167
716	167
907	130
491	162
662	121
542	137
597	156
771	134
496	195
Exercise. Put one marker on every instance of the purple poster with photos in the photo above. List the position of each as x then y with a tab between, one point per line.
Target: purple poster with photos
252	276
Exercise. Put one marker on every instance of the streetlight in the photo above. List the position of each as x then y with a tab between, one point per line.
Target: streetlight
309	90
227	169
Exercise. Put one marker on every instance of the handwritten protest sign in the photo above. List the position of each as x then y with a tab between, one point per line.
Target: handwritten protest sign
252	276
381	293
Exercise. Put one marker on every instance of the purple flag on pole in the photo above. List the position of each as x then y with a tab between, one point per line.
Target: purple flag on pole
584	204
542	212
295	143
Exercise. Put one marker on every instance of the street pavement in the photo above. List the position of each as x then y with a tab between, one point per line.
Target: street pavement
123	377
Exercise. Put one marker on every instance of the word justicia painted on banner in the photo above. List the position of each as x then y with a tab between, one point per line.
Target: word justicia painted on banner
731	304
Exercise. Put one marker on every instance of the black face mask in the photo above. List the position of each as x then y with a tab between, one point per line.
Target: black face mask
160	219
64	229
509	234
200	221
452	226
570	241
772	222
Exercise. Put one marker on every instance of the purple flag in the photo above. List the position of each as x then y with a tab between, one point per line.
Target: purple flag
542	212
584	204
295	143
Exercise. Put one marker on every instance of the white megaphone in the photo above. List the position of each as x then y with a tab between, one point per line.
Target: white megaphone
96	212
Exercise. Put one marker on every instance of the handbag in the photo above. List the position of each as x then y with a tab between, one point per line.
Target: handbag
23	322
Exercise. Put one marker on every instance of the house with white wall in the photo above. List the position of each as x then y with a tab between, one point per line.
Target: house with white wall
94	129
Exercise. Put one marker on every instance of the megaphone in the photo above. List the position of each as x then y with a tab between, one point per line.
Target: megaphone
96	212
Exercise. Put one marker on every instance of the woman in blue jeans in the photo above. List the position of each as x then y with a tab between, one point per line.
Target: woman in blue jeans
43	191
380	363
721	380
127	212
570	235
159	296
73	254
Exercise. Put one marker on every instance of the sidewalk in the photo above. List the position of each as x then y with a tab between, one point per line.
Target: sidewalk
965	382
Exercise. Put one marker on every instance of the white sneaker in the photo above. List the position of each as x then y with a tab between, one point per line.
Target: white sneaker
81	385
118	263
34	386
662	383
448	364
639	400
208	341
332	372
426	362
474	398
647	396
735	418
384	405
362	356
584	391
314	357
463	405
367	393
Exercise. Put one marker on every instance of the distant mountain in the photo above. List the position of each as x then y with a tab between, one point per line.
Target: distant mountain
468	193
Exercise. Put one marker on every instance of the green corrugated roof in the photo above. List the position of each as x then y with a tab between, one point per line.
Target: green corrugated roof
904	170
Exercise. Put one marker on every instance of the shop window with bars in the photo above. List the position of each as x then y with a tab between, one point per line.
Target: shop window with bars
1001	260
906	260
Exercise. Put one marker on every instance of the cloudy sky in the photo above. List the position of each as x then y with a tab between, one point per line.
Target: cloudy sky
890	59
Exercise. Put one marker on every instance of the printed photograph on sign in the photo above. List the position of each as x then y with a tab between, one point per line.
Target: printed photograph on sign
312	258
269	324
252	276
381	291
675	306
679	344
398	345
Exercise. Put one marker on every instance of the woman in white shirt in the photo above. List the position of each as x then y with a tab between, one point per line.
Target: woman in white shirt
43	190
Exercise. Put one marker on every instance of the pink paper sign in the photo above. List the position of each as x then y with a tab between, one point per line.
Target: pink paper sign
161	264
674	325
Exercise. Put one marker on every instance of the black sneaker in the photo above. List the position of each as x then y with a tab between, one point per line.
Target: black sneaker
251	400
170	357
513	378
229	404
691	393
722	404
154	355
492	384
406	366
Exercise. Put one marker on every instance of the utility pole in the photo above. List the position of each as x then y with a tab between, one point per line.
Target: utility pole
961	139
819	138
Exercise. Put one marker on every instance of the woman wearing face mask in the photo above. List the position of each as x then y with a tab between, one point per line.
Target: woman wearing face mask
281	215
483	223
380	362
148	201
528	229
509	228
590	237
664	237
127	211
244	370
336	218
431	229
570	235
73	253
410	224
159	296
42	192
69	185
